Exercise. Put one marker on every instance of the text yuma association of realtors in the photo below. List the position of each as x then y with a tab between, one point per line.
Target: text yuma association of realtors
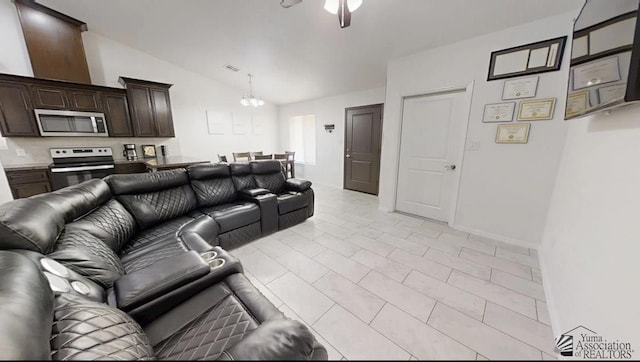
591	346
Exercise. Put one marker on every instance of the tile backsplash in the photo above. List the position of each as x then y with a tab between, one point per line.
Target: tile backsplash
36	149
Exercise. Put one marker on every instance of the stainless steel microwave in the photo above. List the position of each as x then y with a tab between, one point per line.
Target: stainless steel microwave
71	123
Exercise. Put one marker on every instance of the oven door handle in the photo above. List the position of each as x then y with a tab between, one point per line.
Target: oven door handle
82	168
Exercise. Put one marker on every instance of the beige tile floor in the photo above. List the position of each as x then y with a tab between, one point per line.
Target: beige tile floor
376	285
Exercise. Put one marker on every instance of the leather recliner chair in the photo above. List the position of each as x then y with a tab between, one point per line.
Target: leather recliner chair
229	320
295	197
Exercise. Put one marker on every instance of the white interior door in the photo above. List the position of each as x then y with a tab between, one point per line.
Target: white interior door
430	143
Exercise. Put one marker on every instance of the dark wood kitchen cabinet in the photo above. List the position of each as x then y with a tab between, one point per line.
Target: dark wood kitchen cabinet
116	112
84	100
16	111
63	98
49	97
150	107
25	183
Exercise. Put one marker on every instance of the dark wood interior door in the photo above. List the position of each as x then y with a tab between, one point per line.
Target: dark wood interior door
363	136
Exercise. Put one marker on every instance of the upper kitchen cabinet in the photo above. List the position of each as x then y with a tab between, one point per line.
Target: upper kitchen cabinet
16	111
52	96
116	111
150	107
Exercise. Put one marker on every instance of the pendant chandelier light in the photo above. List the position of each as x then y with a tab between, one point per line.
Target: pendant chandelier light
251	100
343	8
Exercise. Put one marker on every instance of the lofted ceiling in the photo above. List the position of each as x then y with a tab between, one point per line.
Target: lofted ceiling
297	53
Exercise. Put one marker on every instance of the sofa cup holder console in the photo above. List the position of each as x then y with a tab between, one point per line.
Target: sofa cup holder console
61	280
211	257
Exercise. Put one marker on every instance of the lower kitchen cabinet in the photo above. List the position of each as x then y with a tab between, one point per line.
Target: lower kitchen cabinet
25	183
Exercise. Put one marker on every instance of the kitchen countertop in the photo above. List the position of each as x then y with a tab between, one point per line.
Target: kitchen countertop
26	166
153	163
171	161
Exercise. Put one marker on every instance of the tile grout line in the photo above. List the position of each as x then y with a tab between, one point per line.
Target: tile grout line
445	334
479	296
492	327
378	312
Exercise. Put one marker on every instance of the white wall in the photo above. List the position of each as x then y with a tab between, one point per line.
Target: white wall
5	192
191	96
505	189
591	242
329	166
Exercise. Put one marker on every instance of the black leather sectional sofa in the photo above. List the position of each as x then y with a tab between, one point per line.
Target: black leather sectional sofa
137	267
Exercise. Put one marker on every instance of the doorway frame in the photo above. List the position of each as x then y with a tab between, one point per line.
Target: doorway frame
459	162
344	145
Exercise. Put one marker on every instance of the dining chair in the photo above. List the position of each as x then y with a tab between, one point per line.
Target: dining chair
262	157
282	157
291	164
241	156
258	153
222	158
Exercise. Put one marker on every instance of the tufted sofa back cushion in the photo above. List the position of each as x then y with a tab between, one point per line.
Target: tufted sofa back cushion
87	255
268	175
35	223
154	197
110	223
241	176
76	200
87	331
212	184
29	224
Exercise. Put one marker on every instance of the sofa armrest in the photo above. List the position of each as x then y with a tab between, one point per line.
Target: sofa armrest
149	311
250	193
268	204
296	184
166	275
278	340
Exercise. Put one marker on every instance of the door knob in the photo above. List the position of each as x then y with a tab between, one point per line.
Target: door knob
348	155
450	167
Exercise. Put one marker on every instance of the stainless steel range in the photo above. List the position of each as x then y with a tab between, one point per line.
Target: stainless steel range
74	165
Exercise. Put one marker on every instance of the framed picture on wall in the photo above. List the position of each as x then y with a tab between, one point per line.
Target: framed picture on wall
536	109
149	151
520	88
513	133
539	57
498	112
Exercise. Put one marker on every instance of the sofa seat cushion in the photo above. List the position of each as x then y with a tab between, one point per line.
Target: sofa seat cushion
147	237
234	215
87	330
291	201
89	256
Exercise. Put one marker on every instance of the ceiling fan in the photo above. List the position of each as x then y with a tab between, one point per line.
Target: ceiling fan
343	8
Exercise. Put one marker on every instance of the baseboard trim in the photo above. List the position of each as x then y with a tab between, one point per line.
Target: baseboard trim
498	237
551	305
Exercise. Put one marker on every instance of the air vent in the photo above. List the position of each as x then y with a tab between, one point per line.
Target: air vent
231	68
